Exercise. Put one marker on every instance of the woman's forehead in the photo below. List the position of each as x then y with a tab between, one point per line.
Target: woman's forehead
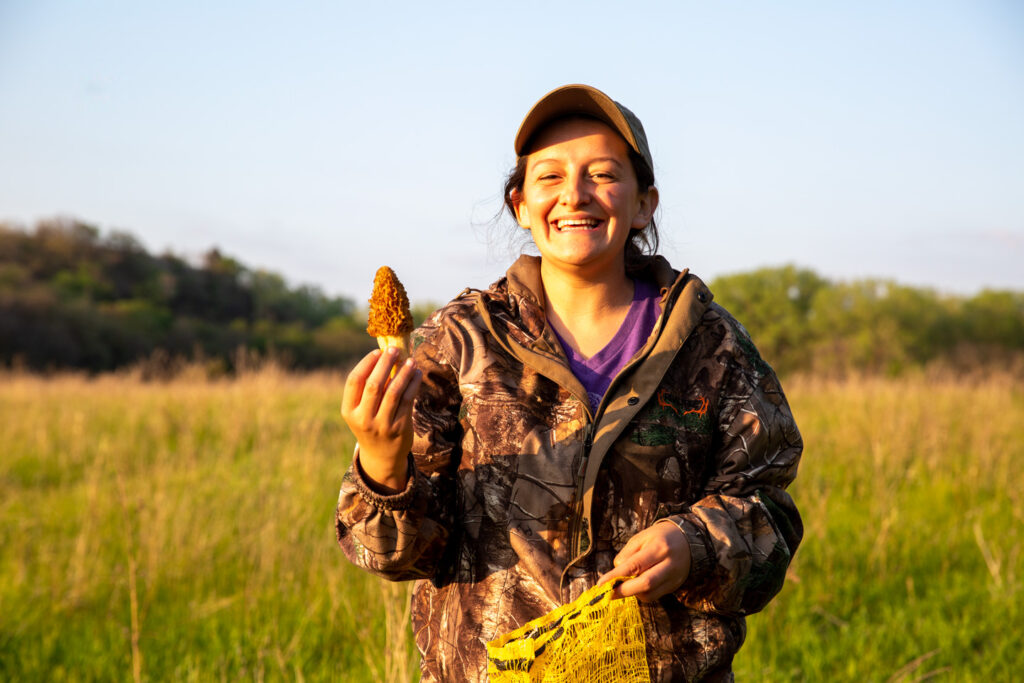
570	132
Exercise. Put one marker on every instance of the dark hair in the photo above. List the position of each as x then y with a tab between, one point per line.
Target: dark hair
643	242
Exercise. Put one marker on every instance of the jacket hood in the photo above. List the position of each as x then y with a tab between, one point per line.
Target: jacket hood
524	278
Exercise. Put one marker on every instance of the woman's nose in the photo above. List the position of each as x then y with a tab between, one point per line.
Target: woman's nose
575	191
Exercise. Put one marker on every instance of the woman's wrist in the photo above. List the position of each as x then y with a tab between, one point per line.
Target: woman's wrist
383	477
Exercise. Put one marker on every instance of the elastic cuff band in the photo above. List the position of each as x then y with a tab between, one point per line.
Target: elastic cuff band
702	557
385	501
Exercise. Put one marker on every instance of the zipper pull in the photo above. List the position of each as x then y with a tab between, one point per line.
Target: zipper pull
588	439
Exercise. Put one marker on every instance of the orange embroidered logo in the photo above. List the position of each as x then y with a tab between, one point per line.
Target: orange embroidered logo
663	402
699	412
658	428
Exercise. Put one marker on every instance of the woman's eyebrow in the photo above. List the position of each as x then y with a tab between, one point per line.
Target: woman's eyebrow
558	160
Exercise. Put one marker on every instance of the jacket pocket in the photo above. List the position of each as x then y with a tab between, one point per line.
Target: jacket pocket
675	469
542	492
540	515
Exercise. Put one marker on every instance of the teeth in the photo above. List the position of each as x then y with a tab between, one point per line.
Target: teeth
576	223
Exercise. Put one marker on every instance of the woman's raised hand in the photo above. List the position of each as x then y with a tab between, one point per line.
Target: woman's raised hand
658	559
379	413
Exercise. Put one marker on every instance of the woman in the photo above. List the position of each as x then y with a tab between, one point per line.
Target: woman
591	415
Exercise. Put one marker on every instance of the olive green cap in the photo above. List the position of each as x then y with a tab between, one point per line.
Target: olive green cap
584	100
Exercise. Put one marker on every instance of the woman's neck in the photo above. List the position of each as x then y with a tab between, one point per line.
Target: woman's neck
586	312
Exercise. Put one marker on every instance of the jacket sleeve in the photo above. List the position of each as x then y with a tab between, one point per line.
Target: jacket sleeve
404	536
745	529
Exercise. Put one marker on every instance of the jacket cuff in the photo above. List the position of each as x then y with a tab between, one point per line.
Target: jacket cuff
384	501
702	555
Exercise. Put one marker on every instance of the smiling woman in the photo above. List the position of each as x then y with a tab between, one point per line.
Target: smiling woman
581	202
592	417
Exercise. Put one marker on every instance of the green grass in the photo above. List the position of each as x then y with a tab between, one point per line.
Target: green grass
207	506
184	531
911	564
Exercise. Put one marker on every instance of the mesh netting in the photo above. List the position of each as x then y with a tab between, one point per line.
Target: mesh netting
594	639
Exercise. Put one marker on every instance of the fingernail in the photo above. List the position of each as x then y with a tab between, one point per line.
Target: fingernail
408	362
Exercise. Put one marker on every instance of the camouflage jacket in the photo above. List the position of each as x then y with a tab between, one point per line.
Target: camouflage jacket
520	497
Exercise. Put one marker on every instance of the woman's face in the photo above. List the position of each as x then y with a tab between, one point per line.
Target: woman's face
580	197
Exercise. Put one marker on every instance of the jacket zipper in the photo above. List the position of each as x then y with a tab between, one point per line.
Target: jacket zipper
577	508
575	528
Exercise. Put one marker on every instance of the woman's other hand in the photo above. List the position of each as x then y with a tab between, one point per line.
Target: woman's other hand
658	559
379	413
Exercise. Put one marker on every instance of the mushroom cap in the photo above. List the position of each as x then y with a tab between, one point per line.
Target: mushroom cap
389	306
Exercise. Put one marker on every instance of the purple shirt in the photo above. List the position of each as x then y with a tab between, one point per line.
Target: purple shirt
597	372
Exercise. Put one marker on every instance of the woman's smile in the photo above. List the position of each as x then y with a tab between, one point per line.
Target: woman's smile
575	224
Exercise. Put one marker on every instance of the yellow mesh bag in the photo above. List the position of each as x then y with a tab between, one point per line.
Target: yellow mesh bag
593	639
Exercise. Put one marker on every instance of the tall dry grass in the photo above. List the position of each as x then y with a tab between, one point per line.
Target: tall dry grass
911	566
183	530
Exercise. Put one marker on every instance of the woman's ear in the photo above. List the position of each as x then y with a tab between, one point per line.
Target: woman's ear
645	211
522	213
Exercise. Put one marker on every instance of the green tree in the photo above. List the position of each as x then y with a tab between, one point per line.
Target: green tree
775	306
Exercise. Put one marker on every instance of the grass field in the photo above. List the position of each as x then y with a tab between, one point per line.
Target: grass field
183	531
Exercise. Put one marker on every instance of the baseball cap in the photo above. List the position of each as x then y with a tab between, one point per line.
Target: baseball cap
586	101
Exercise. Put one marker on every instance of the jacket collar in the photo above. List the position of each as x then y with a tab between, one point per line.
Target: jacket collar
513	311
524	279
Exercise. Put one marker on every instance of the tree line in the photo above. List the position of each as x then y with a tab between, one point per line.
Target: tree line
72	297
802	322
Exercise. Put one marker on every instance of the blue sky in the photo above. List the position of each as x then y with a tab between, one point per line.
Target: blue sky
322	140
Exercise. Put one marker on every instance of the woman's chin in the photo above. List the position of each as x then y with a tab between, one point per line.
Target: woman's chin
577	261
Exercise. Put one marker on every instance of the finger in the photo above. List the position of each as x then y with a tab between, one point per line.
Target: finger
615	574
377	382
629	562
392	399
627	551
620	569
635	573
405	407
650	584
612	576
639	562
356	380
633	546
608	576
403	412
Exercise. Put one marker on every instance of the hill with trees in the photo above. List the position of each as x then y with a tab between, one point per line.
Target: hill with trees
71	297
802	322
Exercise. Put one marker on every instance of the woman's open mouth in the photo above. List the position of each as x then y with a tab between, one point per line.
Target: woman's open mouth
569	224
